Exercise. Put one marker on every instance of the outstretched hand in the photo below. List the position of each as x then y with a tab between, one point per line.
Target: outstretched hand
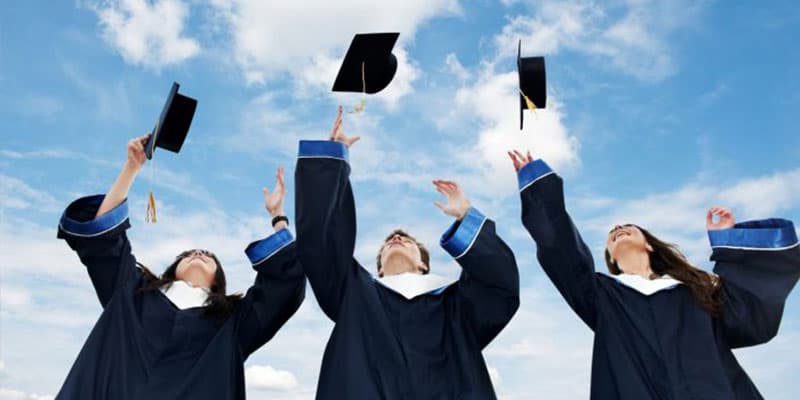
457	202
519	159
725	217
337	134
273	201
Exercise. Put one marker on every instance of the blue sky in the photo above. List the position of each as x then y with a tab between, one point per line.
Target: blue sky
657	110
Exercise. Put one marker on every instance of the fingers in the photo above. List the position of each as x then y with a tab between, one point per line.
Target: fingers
530	157
709	217
439	205
514	160
446	188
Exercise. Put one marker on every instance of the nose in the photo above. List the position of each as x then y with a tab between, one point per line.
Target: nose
197	253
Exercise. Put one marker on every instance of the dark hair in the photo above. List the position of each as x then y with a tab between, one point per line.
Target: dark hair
219	306
667	259
426	257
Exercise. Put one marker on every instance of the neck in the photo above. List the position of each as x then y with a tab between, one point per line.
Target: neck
399	266
636	263
196	280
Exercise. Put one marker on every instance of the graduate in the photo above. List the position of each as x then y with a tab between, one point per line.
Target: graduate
179	335
664	329
406	334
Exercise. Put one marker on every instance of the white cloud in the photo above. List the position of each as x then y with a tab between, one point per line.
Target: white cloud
150	34
455	68
264	377
492	99
10	394
633	36
307	39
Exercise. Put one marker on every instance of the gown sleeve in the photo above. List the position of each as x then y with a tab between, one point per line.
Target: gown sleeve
758	263
326	221
276	294
488	288
561	251
101	243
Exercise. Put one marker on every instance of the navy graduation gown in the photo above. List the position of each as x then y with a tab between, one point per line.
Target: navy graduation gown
665	346
383	345
142	346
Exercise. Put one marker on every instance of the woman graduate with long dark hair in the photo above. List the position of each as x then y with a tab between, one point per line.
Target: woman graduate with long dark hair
664	329
180	335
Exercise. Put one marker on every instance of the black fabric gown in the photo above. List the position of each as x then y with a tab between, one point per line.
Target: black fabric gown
385	346
665	346
142	346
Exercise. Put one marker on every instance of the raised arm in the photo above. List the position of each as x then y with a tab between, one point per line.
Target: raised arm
758	263
488	288
563	255
279	287
326	218
94	227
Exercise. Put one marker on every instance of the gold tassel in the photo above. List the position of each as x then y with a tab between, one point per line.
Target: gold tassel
360	107
151	209
531	105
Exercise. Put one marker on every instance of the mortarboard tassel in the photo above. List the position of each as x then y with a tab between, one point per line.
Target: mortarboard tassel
150	216
360	107
531	105
151	208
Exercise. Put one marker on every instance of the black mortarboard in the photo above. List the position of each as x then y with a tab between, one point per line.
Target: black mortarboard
532	82
173	124
374	51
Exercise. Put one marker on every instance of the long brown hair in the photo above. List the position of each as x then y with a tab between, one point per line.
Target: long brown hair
219	306
667	259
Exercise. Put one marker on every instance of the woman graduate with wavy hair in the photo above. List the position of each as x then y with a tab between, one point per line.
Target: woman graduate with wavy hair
664	329
180	335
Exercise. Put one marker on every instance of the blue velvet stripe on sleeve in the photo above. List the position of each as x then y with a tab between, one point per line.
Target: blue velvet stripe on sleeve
458	239
261	250
532	172
78	219
765	234
322	149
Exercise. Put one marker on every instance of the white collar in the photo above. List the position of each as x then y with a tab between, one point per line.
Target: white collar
410	285
183	295
647	286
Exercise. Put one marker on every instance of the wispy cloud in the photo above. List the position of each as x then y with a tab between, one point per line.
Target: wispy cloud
631	36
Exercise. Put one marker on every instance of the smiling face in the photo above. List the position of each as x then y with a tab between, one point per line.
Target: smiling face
624	238
196	266
401	253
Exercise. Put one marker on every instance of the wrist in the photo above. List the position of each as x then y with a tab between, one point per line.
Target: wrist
131	168
276	213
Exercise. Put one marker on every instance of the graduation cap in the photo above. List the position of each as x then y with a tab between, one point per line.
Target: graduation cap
169	133
369	65
532	83
173	124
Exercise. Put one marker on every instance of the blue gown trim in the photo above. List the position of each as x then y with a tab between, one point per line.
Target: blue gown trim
765	234
323	149
94	227
532	172
259	251
460	236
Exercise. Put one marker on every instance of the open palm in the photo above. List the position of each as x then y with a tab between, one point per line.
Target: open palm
457	202
273	201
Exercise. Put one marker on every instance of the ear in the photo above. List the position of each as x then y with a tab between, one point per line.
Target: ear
422	268
649	248
380	272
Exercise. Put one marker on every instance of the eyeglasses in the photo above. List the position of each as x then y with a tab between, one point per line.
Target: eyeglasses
188	253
